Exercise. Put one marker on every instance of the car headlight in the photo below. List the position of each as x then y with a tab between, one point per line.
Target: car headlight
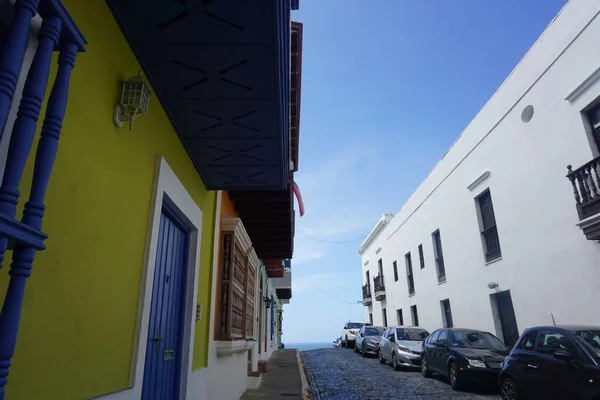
372	343
476	363
404	349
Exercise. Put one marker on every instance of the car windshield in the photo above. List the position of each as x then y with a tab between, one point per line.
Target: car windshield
591	340
355	325
373	331
475	340
411	334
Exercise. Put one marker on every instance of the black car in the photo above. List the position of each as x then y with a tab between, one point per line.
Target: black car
463	355
553	362
367	340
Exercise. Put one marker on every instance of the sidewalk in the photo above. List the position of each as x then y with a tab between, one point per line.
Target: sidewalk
282	379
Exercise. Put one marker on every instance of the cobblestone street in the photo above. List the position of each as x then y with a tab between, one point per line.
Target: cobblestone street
341	374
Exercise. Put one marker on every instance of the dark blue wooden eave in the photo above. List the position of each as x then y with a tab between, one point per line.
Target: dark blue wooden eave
221	70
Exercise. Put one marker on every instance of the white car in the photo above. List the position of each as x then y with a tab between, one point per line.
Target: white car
350	331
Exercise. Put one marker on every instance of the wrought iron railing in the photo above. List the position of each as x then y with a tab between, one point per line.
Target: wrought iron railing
441	268
585	181
378	283
366	291
411	284
492	243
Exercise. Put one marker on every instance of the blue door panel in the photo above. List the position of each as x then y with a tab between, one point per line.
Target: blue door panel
162	369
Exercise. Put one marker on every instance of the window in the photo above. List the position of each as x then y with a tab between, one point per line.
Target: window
399	317
439	256
550	342
421	257
489	231
371	318
415	315
446	313
443	338
237	282
383	311
409	274
433	337
395	271
380	266
528	341
594	117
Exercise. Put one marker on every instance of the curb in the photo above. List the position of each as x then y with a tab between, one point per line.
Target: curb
305	387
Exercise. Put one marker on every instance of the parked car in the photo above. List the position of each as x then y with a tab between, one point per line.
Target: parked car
402	345
337	342
558	362
367	340
349	333
464	356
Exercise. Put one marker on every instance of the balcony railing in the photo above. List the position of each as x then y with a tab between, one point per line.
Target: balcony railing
492	243
586	185
441	269
378	283
366	291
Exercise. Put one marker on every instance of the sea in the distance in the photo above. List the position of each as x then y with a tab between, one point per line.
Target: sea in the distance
309	346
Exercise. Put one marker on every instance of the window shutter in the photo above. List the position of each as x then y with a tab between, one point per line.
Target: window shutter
250	294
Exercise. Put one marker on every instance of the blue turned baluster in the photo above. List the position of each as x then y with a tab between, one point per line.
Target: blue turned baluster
12	55
20	146
25	125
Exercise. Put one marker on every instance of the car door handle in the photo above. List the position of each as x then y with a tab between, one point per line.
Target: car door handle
532	366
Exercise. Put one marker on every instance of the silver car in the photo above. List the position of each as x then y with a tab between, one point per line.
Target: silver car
402	345
367	340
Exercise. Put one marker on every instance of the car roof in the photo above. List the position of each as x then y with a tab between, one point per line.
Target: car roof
569	327
466	330
406	327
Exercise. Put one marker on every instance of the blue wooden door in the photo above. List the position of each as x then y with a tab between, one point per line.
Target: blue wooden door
162	370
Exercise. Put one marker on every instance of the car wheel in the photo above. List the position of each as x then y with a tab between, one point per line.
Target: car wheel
508	390
425	368
355	348
362	351
395	362
381	359
455	379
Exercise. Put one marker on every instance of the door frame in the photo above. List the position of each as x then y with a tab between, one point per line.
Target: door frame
496	314
167	191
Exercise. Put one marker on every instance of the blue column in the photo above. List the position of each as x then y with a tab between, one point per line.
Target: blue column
25	125
23	257
12	55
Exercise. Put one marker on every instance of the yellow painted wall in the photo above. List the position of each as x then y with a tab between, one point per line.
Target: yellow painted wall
77	331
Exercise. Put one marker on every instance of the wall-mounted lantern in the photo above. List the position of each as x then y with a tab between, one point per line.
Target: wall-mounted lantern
267	302
135	96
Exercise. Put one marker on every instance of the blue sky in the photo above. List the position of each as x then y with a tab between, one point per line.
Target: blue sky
386	89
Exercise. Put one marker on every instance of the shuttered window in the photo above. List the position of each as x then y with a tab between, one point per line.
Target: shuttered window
237	290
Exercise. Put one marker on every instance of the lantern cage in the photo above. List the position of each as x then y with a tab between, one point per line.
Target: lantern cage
135	97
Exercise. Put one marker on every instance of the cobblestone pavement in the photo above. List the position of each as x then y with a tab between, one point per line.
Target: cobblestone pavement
341	374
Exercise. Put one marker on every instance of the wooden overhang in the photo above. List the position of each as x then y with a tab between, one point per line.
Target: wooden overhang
268	216
221	71
296	89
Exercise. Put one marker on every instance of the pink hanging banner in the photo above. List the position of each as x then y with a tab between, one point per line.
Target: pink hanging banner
299	198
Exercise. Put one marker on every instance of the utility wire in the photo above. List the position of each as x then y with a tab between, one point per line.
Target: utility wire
328	241
322	291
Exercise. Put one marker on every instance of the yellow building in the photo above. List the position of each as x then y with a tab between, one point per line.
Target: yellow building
120	301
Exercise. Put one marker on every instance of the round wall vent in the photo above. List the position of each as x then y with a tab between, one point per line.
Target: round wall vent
527	113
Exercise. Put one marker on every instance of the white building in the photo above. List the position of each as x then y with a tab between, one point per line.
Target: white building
492	239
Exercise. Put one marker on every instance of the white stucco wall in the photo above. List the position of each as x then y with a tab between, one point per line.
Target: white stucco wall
547	263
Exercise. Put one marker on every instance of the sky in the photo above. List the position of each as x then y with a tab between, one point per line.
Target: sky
386	89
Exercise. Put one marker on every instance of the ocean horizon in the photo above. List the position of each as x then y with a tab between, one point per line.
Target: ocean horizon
309	346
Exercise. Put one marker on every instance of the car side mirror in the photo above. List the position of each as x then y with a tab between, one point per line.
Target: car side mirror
392	339
563	355
441	343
